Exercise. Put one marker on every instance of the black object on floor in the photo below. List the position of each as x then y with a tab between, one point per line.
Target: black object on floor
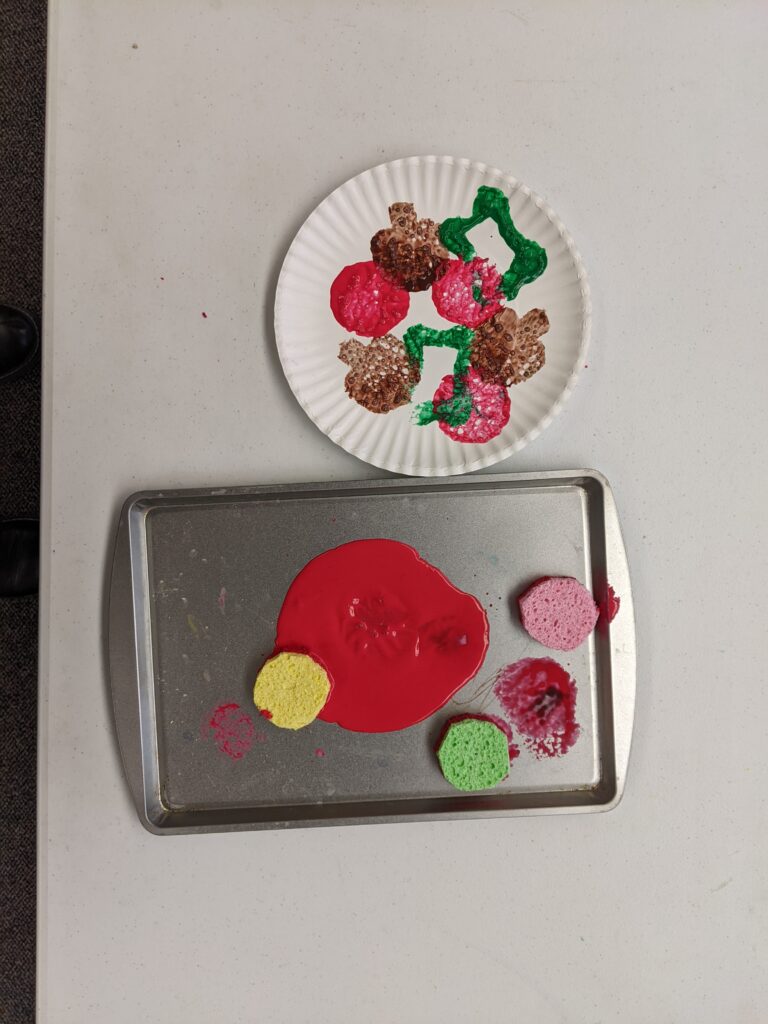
19	557
19	342
22	143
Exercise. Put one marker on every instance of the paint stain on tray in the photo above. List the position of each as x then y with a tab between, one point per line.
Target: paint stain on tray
233	730
611	605
538	698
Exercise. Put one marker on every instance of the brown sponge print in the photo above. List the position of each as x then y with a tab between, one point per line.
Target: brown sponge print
381	375
409	252
507	349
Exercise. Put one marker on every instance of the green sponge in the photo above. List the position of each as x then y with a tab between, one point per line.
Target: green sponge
473	754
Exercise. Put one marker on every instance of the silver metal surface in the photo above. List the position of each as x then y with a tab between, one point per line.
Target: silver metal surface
197	584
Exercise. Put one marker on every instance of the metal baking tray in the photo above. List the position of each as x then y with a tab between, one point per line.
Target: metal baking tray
197	583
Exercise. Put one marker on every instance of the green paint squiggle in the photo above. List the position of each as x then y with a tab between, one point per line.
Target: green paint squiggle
529	260
457	409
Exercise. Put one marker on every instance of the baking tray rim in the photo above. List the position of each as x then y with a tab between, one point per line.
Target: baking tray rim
131	716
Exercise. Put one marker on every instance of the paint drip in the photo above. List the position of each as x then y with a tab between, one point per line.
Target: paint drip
611	605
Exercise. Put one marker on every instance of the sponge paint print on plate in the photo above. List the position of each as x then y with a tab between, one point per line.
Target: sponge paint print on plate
431	316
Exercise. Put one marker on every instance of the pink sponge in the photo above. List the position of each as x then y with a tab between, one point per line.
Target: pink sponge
558	612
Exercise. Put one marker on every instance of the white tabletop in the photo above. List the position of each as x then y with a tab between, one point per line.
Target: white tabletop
187	142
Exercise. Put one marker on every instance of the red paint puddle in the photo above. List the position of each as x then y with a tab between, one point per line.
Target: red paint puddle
538	698
376	609
232	730
610	607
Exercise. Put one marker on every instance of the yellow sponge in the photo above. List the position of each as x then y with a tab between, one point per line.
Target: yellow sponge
291	690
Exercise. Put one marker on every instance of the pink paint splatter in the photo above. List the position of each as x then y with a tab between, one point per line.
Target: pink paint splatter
232	730
539	698
319	752
611	605
222	600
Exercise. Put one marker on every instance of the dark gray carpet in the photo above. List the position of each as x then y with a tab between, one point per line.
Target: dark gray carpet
22	127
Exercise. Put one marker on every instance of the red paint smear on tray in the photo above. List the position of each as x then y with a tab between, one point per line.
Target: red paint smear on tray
611	605
232	730
319	752
539	698
396	637
265	713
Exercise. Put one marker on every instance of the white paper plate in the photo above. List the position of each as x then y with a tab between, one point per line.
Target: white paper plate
338	233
